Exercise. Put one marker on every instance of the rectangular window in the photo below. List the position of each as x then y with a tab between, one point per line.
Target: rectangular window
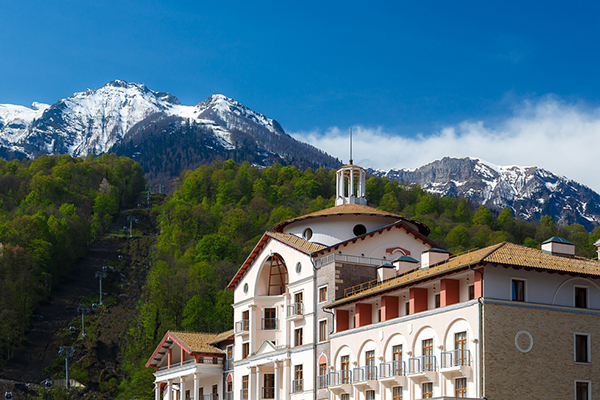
245	320
407	308
438	301
460	387
245	349
582	348
345	396
471	292
518	290
215	391
397	358
322	331
397	393
428	355
427	390
370	395
244	393
298	307
298	382
581	297
345	369
370	364
322	294
270	321
298	337
269	386
582	390
460	345
322	376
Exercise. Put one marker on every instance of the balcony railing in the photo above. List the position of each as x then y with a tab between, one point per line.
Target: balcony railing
322	381
228	395
366	373
341	377
244	394
392	368
268	392
422	364
242	326
295	310
297	385
212	396
348	258
269	324
456	358
228	365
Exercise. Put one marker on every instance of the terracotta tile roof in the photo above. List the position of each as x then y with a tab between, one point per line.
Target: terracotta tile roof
502	253
198	342
297	242
222	336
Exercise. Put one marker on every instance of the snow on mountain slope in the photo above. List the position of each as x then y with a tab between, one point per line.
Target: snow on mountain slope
529	191
93	121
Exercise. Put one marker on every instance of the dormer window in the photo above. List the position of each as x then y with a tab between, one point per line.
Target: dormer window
307	234
359	230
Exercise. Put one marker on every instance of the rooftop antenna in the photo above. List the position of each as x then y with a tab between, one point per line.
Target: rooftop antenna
350	145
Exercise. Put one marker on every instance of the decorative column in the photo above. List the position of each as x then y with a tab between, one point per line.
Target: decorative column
181	389
196	387
258	382
169	390
276	380
156	391
286	379
252	328
252	382
351	184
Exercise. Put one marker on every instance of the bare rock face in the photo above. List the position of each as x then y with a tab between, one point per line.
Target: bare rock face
530	192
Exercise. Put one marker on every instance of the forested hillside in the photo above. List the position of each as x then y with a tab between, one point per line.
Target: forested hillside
212	222
50	210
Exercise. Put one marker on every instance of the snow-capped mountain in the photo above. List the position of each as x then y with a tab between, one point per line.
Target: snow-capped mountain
530	191
122	116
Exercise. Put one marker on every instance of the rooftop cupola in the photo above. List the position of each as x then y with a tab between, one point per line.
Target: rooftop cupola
350	185
558	246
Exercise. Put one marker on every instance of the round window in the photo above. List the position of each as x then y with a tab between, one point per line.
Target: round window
359	229
298	268
307	234
245	288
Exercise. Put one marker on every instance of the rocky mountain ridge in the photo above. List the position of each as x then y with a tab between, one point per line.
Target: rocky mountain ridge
529	191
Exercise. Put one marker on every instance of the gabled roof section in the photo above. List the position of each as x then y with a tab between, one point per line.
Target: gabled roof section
190	342
221	337
507	254
350	209
399	224
556	239
285	238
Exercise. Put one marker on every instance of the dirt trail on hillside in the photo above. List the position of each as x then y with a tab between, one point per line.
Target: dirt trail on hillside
53	317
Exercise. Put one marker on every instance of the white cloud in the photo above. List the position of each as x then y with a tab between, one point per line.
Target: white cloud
548	133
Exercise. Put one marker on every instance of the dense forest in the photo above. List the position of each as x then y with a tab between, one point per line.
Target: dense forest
212	222
50	210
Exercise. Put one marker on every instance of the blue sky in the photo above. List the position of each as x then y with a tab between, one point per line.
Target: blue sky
417	80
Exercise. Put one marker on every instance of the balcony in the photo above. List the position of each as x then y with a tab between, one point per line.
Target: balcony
422	368
340	381
242	326
269	324
228	395
206	365
297	385
295	311
228	365
212	396
268	392
244	394
322	381
456	363
393	373
365	377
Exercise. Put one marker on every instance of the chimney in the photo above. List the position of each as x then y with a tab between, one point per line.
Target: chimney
558	246
404	263
385	272
433	256
597	244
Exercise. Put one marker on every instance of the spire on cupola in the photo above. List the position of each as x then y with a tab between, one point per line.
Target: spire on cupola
350	183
